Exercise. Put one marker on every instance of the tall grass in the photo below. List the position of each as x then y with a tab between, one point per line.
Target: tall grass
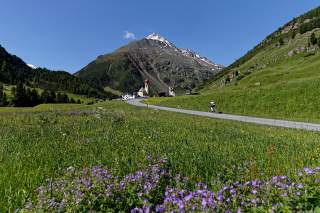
35	146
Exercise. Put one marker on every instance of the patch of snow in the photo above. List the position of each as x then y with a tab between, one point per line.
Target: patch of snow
196	56
32	66
157	37
185	52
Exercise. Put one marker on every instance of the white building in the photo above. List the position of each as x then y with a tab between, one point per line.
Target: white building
171	92
144	91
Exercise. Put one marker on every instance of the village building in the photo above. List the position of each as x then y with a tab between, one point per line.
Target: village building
144	91
171	92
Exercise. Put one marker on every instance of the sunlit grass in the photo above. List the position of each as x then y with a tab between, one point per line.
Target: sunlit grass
35	146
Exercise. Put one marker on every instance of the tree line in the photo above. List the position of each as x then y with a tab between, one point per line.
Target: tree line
27	97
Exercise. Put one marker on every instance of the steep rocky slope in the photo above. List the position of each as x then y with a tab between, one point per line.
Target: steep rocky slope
153	58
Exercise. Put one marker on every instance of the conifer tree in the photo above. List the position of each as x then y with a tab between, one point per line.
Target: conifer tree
281	42
19	98
3	97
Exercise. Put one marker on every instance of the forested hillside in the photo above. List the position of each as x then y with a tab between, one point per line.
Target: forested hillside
14	71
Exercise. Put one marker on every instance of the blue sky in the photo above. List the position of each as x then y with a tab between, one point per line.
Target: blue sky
68	34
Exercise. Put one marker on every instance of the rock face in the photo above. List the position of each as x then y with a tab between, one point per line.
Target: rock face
153	58
297	51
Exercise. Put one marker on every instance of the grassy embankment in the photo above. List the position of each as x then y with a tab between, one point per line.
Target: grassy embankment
43	142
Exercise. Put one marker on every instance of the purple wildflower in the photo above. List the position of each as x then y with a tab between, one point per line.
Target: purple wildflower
146	209
233	192
136	210
188	197
159	208
204	202
254	183
28	205
274	179
279	184
283	177
180	204
86	182
122	185
308	171
220	197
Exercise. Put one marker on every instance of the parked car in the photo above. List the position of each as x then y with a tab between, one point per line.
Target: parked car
126	97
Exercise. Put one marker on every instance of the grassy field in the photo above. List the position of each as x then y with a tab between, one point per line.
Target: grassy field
42	142
279	87
82	98
7	90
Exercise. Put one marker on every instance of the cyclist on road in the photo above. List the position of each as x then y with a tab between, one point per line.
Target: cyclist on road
212	106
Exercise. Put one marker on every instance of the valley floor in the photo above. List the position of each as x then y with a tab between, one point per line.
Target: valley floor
42	142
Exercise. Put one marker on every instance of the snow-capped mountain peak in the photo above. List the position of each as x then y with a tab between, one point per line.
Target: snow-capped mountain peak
186	52
157	37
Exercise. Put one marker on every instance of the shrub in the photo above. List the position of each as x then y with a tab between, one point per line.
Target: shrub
240	77
309	54
281	41
313	39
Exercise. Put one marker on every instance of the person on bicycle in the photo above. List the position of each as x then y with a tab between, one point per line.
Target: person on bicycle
212	106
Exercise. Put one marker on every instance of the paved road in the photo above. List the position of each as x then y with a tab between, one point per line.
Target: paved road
247	119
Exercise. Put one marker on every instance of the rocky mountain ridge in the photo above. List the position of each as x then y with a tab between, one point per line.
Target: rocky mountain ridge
154	58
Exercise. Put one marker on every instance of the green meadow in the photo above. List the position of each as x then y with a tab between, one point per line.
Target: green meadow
41	142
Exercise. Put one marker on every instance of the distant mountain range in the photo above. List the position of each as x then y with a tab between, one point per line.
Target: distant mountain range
153	58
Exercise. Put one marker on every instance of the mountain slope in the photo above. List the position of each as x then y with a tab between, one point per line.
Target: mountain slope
14	70
279	78
153	58
283	45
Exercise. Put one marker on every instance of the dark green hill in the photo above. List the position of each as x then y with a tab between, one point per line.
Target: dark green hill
14	70
112	71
